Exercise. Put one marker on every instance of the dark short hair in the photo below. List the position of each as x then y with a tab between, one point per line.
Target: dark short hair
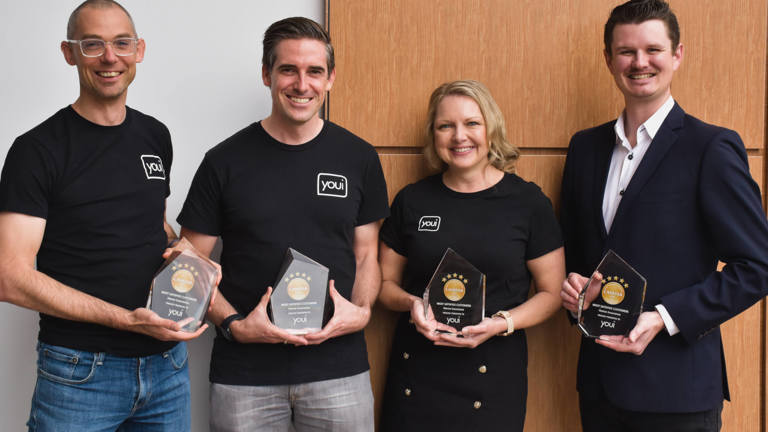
638	11
100	4
295	28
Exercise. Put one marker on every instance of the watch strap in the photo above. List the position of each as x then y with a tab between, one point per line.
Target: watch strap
224	326
508	318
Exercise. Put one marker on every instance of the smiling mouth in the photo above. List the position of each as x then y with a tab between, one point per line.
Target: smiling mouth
110	74
641	76
462	150
299	99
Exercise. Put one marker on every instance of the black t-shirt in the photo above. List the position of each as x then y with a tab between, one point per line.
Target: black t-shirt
497	230
262	196
101	190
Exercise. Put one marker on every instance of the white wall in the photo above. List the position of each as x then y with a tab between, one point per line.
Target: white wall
201	76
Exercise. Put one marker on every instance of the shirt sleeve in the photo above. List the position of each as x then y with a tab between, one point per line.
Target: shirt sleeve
392	232
202	208
167	159
27	179
544	234
374	205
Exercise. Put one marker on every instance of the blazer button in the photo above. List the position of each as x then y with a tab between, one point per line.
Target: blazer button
407	392
477	404
482	369
406	355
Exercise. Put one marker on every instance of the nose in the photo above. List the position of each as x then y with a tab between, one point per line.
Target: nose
460	133
641	60
109	55
302	84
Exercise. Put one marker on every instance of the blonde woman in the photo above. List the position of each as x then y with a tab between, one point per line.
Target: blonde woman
503	225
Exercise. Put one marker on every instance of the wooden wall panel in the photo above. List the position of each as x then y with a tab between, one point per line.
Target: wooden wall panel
722	79
743	359
542	60
546	170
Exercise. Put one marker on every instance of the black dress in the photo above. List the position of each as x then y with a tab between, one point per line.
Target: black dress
497	230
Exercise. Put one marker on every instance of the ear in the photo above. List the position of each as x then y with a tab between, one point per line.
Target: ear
331	79
69	56
141	46
607	56
265	76
678	56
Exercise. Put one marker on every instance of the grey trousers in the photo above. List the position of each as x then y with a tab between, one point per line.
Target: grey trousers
339	405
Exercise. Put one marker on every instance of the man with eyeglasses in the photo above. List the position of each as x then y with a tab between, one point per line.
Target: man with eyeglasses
82	232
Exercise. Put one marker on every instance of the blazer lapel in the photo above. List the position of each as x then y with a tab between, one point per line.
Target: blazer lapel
662	142
605	144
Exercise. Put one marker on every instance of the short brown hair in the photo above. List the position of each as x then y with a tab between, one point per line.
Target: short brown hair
639	11
295	28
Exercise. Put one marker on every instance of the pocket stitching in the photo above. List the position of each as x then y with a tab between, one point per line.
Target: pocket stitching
63	357
173	359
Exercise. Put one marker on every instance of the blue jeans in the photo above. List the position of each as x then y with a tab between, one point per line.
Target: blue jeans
81	391
338	405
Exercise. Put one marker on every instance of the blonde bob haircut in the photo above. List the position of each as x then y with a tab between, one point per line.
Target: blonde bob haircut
501	153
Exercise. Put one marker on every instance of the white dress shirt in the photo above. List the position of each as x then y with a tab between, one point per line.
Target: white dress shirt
624	163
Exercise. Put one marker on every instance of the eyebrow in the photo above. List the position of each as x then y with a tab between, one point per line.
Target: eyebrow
633	47
291	65
95	36
441	119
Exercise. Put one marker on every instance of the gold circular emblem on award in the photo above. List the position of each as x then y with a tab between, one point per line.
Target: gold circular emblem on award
182	280
454	289
298	288
613	293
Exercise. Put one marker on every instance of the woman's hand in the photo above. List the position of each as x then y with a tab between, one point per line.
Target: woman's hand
426	323
474	335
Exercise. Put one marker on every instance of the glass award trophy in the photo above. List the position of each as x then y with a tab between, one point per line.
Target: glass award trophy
300	296
612	300
182	288
456	292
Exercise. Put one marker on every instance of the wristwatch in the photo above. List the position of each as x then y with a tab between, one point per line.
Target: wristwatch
224	326
508	318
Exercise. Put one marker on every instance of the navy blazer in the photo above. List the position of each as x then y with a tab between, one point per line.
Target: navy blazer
690	203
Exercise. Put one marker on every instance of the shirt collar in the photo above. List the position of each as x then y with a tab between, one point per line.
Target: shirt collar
651	126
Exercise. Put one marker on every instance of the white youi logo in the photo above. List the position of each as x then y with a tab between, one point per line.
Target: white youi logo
429	223
153	167
333	185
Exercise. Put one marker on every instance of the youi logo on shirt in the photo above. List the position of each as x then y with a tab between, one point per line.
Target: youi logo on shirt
153	167
429	223
332	185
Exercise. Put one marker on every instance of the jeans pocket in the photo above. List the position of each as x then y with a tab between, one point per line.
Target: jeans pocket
177	355
65	365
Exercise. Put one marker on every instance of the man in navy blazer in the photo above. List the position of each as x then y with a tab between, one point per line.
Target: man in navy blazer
671	195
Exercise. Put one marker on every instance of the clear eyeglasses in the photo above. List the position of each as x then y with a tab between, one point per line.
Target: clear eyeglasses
96	47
